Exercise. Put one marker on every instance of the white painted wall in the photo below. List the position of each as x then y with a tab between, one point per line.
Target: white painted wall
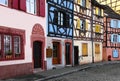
21	20
50	44
86	59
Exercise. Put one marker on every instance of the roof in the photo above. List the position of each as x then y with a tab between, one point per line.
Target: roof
110	12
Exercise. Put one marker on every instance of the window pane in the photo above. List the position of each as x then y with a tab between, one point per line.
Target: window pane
119	24
115	53
30	5
16	44
4	2
7	44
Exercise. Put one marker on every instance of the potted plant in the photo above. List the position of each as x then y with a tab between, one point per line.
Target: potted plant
9	54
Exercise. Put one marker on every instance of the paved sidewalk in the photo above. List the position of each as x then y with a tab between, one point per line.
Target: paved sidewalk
42	76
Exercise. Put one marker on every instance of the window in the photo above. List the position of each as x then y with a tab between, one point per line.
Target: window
114	38
31	6
115	23
7	44
11	43
4	2
97	48
61	18
83	3
97	28
84	49
99	11
115	53
82	25
17	46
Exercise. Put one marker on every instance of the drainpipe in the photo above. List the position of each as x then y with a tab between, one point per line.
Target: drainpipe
92	33
73	36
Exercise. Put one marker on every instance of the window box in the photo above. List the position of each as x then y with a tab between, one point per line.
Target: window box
8	56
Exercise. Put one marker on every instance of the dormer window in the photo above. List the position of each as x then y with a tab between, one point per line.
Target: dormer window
4	2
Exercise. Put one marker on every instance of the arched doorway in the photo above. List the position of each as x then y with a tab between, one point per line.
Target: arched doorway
38	46
37	54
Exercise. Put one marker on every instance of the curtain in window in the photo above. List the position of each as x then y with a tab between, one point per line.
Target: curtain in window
96	10
97	48
86	24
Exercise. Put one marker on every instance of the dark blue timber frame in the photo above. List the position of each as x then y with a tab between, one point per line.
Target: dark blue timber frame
62	28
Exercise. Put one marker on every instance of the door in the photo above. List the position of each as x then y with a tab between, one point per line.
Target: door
56	53
37	54
76	51
67	54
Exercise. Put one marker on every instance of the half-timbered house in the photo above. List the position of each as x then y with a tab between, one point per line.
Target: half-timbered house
60	33
111	42
88	31
97	31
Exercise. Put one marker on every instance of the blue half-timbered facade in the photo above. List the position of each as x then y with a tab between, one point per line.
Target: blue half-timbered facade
60	32
60	18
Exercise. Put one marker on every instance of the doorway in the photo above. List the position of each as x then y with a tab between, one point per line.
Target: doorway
67	53
56	53
76	52
37	56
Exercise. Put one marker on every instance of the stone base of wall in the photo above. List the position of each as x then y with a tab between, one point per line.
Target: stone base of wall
10	71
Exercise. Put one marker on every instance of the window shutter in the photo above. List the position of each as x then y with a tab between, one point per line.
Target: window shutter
112	23
42	8
78	1
97	28
86	24
67	20
84	49
10	3
55	19
23	5
118	39
118	23
96	10
78	23
87	3
15	4
102	12
112	38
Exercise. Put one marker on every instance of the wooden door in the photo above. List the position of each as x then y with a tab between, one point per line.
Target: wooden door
56	53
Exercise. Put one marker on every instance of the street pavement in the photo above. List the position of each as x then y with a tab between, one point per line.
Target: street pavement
86	72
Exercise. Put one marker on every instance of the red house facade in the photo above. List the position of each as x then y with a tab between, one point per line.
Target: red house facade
111	43
22	37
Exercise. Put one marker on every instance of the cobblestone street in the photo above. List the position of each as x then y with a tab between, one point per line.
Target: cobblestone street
110	72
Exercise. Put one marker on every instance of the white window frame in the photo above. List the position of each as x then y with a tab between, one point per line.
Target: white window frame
29	7
4	2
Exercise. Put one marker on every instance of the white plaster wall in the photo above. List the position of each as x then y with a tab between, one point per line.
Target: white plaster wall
50	44
21	20
87	59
